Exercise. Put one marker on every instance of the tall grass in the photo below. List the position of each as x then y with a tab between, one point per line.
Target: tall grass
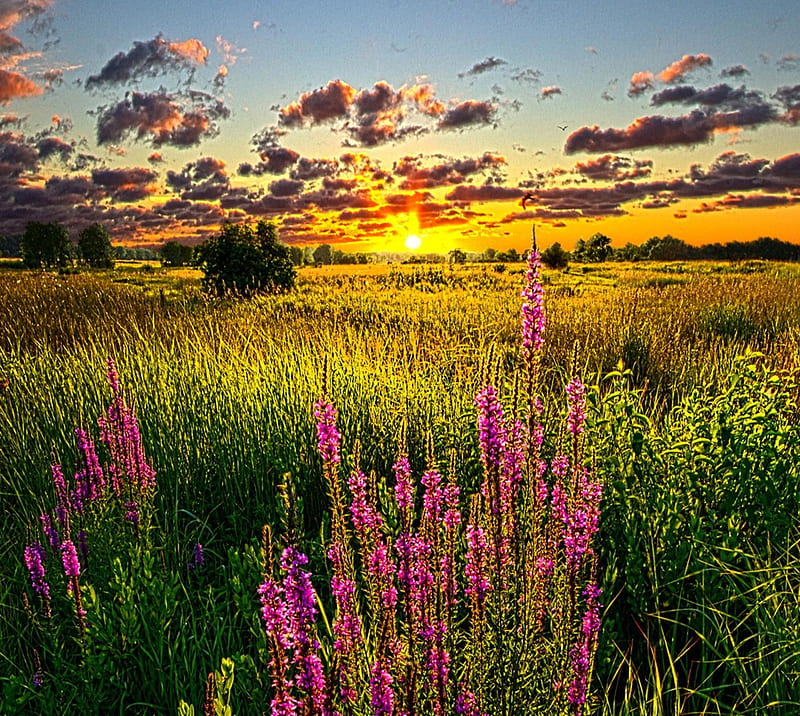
224	389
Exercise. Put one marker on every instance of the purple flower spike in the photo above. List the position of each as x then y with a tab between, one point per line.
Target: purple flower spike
69	558
328	437
576	393
533	317
380	685
581	654
34	561
198	557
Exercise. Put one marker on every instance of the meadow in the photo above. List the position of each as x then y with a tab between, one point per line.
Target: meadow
692	426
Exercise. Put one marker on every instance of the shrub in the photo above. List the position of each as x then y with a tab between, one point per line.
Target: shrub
244	261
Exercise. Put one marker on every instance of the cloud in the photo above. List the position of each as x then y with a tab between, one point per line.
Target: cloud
49	146
13	85
468	113
550	91
204	180
612	167
150	59
486	192
161	118
486	65
734	71
446	173
321	105
527	75
658	131
16	155
642	82
788	63
680	68
127	184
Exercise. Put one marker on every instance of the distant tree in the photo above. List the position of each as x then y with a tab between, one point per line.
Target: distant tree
489	255
308	255
323	254
246	261
176	254
457	256
598	248
94	243
9	247
667	248
512	255
555	257
629	252
45	245
296	255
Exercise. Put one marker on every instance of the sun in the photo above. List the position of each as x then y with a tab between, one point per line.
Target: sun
413	242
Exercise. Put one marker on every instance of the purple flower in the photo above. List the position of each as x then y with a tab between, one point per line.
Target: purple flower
466	703
328	437
50	532
63	507
89	481
198	557
366	518
476	568
432	498
381	693
582	653
34	561
491	433
69	558
533	316
404	491
576	394
347	625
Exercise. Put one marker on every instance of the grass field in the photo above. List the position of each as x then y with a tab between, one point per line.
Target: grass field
693	428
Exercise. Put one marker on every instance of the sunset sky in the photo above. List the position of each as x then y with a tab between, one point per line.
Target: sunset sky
361	123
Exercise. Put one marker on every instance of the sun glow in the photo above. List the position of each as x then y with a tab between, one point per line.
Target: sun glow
413	242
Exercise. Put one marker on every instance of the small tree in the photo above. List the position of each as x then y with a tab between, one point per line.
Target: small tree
323	254
45	245
95	247
245	261
555	257
176	254
457	256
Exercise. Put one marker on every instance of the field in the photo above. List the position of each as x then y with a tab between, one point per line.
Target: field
692	428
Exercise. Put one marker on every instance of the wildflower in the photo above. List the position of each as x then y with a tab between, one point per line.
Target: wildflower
476	567
69	558
63	507
328	437
381	693
576	394
366	518
404	491
34	561
532	311
49	531
347	625
89	480
491	433
582	652
466	703
198	557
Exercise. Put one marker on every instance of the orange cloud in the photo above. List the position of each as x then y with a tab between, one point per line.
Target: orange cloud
13	84
192	50
681	67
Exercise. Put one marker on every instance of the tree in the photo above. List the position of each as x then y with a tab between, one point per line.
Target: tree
176	254
244	261
94	243
323	254
45	245
457	256
555	257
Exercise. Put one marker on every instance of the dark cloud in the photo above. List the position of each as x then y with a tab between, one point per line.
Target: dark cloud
307	169
149	59
788	63
321	105
445	173
468	113
16	155
50	146
479	68
734	71
612	167
527	75
486	192
161	118
286	187
127	184
659	131
204	180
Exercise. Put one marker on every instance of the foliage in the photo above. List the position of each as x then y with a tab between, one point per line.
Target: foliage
173	253
555	257
45	245
323	254
94	244
595	250
245	261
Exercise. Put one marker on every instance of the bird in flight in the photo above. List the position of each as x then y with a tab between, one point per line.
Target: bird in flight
525	199
562	127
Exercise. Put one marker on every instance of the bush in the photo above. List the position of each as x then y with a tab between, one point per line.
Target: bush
244	261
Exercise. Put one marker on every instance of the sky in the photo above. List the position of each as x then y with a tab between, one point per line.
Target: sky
360	124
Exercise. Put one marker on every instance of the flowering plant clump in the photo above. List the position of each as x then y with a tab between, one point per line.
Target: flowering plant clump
449	603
